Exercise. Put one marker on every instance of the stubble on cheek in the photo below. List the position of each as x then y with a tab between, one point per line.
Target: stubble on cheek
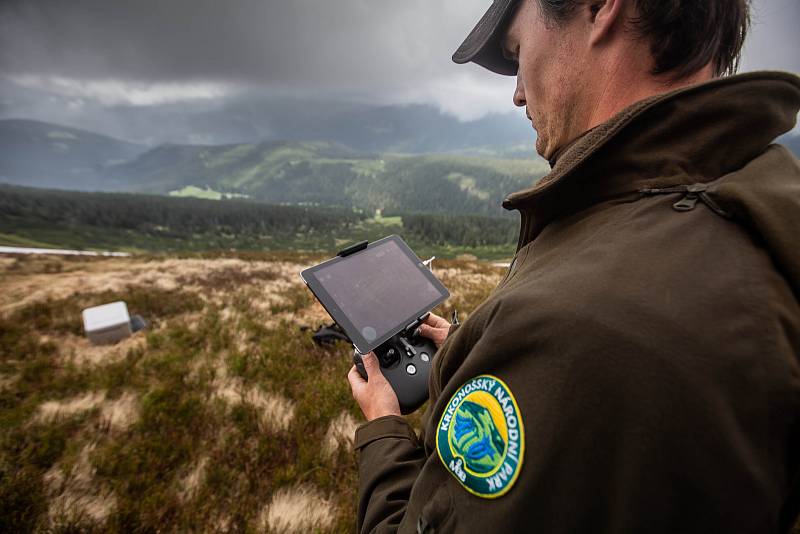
548	122
540	120
560	118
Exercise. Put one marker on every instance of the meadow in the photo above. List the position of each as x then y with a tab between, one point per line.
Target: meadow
222	416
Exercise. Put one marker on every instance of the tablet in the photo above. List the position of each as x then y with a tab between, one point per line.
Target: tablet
376	292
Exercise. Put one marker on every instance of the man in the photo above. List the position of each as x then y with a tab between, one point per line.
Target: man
637	370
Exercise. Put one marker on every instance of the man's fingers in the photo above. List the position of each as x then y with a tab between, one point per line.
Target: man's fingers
371	365
436	321
355	378
427	331
357	384
435	334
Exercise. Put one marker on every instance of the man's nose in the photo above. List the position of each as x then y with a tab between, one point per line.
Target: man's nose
519	94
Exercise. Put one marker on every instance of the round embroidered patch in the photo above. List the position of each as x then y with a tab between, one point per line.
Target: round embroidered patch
480	438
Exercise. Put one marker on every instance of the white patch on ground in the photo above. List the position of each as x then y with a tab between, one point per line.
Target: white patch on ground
190	484
341	433
275	411
76	496
297	509
53	410
120	414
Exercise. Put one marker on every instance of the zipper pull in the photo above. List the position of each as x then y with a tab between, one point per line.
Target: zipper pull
692	193
687	203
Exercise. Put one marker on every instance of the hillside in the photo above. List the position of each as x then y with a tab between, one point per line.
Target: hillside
48	155
329	174
135	223
277	172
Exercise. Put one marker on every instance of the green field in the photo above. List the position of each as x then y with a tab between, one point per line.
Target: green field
207	193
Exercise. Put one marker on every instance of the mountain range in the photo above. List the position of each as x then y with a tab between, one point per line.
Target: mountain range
277	172
257	117
470	180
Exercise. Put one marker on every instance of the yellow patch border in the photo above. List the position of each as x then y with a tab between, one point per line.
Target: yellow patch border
521	427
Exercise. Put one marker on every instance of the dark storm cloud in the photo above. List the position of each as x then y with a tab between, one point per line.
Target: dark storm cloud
148	52
309	42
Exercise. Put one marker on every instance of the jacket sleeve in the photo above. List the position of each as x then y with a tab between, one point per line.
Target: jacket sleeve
390	459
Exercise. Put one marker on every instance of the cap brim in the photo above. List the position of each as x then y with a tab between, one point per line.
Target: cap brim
483	45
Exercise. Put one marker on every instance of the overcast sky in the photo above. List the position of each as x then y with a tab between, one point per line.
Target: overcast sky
102	53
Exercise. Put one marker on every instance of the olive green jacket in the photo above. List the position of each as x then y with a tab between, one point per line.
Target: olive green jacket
648	330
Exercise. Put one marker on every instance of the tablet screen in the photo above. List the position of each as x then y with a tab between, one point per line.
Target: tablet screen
379	289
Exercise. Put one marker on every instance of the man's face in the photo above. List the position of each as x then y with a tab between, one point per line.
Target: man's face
549	81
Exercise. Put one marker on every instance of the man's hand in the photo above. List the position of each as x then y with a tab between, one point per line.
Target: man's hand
376	396
435	328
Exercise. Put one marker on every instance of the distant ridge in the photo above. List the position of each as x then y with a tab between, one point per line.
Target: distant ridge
48	155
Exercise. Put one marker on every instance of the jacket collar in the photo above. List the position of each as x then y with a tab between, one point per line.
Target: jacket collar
690	135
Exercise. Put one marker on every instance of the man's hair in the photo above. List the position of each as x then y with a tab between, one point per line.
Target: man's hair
684	35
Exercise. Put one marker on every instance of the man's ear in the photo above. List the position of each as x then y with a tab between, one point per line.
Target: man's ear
605	16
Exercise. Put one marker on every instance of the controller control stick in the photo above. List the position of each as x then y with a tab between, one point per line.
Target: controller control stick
406	362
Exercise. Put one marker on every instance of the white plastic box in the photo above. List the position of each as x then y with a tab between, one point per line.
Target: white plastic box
108	323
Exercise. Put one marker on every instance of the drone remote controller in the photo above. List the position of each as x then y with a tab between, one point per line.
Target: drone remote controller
405	361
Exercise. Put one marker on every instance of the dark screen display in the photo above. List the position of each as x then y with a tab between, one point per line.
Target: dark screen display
378	288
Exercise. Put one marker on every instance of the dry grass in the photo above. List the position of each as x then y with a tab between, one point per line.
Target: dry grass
191	483
221	417
78	351
274	410
76	496
53	410
297	509
341	433
7	381
195	275
119	414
